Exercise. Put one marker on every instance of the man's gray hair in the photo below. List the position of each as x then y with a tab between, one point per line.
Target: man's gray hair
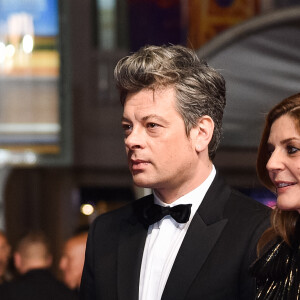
199	88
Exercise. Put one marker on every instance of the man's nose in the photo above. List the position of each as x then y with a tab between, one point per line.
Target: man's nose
135	140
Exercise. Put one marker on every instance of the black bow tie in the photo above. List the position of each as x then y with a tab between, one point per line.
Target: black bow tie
154	213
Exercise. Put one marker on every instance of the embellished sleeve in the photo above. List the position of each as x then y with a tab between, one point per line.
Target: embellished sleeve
277	272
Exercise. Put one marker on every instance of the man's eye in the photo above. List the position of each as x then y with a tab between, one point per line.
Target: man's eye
126	127
292	150
152	125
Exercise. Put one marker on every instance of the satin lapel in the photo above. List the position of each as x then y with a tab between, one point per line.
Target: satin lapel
194	250
204	231
130	253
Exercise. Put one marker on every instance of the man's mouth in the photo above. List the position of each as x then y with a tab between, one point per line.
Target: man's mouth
138	164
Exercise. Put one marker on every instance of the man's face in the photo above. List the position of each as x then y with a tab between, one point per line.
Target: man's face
72	262
160	155
4	254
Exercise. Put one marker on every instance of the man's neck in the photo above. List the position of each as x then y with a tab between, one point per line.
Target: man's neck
171	194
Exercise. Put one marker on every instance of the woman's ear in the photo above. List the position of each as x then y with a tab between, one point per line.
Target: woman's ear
202	133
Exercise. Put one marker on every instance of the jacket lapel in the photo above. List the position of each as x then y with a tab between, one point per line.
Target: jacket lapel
204	231
130	253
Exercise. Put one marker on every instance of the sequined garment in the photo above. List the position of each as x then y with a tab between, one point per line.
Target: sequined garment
277	272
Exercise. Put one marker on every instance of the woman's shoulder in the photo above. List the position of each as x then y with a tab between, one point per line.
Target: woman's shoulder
272	263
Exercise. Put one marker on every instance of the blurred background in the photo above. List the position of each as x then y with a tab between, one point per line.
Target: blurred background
62	159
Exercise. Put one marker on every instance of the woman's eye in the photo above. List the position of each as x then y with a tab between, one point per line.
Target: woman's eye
292	150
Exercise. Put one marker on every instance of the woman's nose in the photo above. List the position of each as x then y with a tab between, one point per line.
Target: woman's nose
275	161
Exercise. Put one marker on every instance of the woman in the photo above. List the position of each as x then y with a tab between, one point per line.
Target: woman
277	270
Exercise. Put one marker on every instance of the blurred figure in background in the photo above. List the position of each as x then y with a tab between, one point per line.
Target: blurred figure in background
32	260
5	251
32	253
72	260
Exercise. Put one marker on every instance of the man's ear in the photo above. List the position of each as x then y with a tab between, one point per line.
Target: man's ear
202	133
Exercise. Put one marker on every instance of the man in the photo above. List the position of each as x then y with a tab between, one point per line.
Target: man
203	246
72	260
5	250
33	260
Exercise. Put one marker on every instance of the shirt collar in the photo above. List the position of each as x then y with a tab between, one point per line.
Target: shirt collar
194	197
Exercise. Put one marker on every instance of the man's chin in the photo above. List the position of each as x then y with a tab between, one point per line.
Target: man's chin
142	182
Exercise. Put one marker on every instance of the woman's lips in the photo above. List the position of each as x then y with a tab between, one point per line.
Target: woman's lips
281	186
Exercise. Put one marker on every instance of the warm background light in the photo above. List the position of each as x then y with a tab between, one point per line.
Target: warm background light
87	209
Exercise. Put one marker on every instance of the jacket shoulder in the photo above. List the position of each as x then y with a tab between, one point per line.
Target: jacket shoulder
246	205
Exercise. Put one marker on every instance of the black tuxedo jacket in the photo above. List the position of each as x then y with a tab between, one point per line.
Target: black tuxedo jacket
212	262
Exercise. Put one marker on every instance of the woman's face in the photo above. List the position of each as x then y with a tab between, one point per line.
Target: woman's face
284	162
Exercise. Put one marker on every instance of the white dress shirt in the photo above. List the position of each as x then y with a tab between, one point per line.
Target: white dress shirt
163	242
